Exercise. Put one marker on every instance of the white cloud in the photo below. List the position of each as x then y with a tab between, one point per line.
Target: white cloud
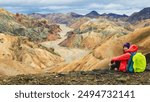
56	7
36	2
106	6
134	3
113	6
94	5
78	6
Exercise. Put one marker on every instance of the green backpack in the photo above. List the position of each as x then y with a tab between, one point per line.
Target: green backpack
139	62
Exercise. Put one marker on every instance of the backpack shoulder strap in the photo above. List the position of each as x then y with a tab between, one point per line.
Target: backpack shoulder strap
130	63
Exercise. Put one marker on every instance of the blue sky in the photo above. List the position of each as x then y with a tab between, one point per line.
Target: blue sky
78	6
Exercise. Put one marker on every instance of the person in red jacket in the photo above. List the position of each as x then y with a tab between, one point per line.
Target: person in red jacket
116	64
123	59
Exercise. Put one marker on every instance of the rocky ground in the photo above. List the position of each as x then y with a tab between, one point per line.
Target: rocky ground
95	77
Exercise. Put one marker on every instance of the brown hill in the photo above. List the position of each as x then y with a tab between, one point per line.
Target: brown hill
100	57
23	25
72	40
95	32
19	56
142	23
76	24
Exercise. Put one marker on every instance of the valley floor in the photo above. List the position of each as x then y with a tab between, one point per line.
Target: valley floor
69	54
96	77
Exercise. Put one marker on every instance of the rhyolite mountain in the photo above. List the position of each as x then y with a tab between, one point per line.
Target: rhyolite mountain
21	51
141	15
22	25
95	32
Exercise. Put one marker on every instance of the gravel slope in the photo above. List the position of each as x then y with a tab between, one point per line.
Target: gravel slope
96	77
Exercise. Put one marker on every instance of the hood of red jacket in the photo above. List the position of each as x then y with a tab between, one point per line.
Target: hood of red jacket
133	48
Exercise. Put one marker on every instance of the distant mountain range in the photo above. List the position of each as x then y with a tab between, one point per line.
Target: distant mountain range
70	17
92	14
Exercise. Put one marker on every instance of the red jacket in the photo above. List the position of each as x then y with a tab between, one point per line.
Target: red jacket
125	57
